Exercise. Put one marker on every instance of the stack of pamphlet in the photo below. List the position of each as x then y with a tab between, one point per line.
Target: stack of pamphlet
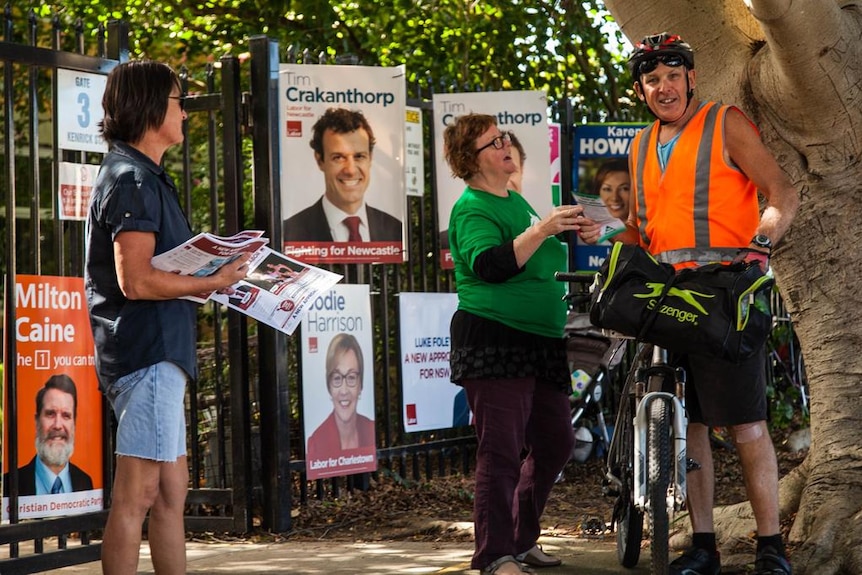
277	289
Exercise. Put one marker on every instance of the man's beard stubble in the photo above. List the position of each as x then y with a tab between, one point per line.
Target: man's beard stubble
55	454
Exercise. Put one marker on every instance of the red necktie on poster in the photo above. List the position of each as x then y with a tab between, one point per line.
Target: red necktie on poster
352	223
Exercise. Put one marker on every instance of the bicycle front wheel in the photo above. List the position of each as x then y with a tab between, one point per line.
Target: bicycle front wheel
659	464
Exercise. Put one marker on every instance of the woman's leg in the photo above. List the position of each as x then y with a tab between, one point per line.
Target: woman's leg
549	441
501	409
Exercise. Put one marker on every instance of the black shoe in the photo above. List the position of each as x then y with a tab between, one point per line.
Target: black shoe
696	561
771	562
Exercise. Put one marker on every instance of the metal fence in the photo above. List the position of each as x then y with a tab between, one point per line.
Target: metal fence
245	423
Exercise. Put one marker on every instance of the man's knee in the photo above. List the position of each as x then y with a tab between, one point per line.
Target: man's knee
748	432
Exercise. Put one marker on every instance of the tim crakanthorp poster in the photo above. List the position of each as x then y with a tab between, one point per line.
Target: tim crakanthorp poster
430	401
601	181
59	447
338	383
342	185
522	112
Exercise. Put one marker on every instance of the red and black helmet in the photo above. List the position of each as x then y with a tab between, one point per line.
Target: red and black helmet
669	49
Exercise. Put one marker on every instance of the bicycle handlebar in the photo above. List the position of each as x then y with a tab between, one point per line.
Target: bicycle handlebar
574	277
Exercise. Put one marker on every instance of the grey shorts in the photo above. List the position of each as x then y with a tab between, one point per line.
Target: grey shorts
719	393
149	405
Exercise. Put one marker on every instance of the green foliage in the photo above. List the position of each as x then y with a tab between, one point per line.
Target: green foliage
786	380
569	49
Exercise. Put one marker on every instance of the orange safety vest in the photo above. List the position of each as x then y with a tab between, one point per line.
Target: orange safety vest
701	209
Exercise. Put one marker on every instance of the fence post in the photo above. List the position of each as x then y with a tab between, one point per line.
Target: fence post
272	345
118	40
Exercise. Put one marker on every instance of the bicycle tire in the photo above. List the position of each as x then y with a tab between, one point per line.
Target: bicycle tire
629	519
660	464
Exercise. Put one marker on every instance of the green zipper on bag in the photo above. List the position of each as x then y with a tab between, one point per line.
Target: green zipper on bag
745	301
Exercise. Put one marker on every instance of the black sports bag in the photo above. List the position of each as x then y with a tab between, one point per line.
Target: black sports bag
718	309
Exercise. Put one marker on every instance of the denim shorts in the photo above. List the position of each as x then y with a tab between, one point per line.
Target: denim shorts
149	405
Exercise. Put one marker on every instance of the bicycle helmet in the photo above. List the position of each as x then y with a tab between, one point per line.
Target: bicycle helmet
659	47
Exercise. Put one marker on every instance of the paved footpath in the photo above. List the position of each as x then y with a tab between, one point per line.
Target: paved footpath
580	557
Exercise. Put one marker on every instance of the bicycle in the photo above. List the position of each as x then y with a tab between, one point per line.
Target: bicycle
593	359
647	463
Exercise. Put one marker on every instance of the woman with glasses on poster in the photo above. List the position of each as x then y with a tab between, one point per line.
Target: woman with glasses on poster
507	347
344	429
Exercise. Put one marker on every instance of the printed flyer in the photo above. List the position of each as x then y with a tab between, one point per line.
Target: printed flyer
342	163
601	183
524	113
59	406
338	383
430	401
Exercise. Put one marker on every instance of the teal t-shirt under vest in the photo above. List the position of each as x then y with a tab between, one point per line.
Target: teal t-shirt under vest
531	301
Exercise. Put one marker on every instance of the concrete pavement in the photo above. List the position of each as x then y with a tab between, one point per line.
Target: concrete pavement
580	556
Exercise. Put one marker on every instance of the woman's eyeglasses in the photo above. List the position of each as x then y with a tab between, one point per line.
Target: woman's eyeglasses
181	100
337	379
671	60
497	142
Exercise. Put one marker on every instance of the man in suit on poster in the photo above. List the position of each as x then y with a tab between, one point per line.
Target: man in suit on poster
343	144
50	471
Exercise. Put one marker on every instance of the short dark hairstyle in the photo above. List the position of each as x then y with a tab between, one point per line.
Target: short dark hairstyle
340	121
459	143
614	165
60	382
136	99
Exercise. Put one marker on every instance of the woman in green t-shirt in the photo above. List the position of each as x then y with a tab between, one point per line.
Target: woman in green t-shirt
507	344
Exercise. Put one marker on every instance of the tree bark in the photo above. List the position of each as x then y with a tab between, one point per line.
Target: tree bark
795	68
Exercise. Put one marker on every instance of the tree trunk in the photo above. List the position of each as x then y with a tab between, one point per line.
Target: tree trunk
795	70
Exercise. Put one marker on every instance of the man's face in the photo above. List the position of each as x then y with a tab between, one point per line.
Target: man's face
346	167
55	429
665	90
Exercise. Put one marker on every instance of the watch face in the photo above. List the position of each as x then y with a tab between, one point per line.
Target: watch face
762	241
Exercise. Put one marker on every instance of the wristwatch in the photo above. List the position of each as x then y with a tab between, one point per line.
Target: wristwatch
762	242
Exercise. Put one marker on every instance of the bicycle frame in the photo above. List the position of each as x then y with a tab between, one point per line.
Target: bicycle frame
655	380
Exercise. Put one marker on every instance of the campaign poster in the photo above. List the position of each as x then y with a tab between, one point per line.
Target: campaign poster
430	400
524	113
342	163
58	402
74	190
414	152
554	140
338	383
600	176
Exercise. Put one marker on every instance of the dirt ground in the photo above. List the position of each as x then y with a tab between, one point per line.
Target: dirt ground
440	510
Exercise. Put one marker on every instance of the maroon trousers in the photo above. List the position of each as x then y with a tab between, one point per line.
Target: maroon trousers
513	415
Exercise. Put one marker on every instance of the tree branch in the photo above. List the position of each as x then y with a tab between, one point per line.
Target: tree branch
810	62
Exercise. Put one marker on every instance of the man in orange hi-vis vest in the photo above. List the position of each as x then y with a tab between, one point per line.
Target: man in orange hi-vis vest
696	173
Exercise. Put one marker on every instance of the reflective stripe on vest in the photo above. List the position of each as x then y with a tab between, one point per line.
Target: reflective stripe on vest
701	256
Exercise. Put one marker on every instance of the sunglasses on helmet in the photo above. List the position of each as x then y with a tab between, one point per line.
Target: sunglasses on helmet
671	60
